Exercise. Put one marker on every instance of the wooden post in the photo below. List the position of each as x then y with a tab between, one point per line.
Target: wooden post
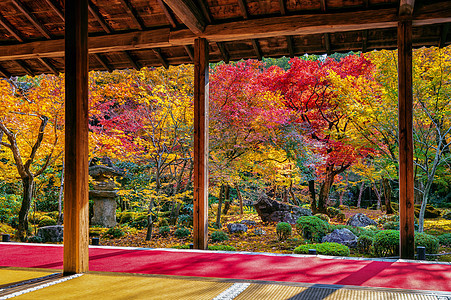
405	108
76	213
200	143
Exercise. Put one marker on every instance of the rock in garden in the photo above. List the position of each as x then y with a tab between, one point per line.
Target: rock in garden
275	211
51	234
360	220
236	228
248	222
447	215
342	236
259	231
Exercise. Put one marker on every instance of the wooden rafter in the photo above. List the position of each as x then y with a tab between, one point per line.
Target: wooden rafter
243	8
4	73
161	58
443	35
188	12
257	49
406	7
205	11
327	43
366	3
20	6
95	12
364	40
224	53
56	9
132	60
13	31
103	62
189	51
167	13
25	67
283	9
48	65
131	11
323	5
290	45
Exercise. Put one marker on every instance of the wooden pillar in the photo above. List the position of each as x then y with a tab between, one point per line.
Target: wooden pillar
76	213
200	143
405	114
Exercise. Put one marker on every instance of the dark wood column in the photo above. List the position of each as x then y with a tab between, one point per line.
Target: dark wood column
200	143
405	114
76	216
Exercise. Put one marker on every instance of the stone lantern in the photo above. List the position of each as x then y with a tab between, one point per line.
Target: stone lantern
104	195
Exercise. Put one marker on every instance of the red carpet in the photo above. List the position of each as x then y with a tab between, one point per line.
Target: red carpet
404	275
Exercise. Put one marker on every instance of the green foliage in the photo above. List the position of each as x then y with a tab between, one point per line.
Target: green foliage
445	239
283	231
6	229
182	233
140	221
185	220
323	217
364	243
391	225
311	228
332	211
430	212
35	239
9	206
46	221
96	231
127	217
221	248
114	232
341	216
333	249
386	243
163	222
219	236
430	242
164	230
34	217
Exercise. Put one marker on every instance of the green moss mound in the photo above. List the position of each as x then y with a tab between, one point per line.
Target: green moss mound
333	249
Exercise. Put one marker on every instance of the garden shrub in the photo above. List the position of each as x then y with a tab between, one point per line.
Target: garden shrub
34	217
127	217
312	228
445	239
46	221
219	236
430	212
323	217
163	222
6	229
430	242
53	215
185	220
386	243
140	221
283	231
364	243
13	221
333	249
221	248
332	211
114	232
164	230
341	216
182	233
35	239
391	225
96	231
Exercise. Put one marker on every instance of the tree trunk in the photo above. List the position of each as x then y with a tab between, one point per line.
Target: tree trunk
227	201
150	222
387	195
378	195
239	198
218	214
293	197
27	195
60	198
324	192
311	187
285	195
362	188
417	192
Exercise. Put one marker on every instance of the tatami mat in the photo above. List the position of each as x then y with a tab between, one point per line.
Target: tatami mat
9	276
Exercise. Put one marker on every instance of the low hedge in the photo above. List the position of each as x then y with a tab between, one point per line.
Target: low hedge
333	249
312	228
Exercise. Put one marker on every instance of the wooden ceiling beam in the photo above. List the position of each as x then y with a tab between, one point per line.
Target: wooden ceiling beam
15	33
132	60
290	45
161	58
243	8
167	13
103	62
131	11
188	12
283	9
364	40
20	6
189	51
25	67
56	9
406	7
443	35
99	18
4	73
257	49
206	11
323	5
48	65
327	43
224	53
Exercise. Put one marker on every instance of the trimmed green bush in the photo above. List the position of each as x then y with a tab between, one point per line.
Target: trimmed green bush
391	225
333	249
163	222
364	243
430	242
219	236
332	211
182	233
140	221
323	217
35	239
221	248
114	232
283	231
312	228
445	239
386	243
164	230
46	221
127	217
